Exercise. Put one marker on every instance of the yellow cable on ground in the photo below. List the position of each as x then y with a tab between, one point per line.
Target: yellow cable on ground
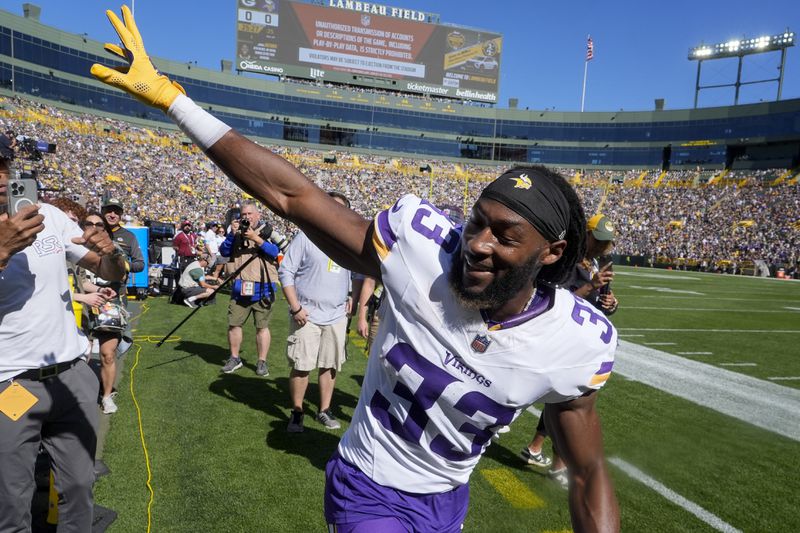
141	339
141	435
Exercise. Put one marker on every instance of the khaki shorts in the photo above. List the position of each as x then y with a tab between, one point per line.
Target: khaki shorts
313	346
238	311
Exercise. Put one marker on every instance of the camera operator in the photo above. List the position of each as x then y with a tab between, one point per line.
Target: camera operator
253	290
48	394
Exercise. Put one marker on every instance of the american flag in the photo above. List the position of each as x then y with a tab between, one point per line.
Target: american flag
589	49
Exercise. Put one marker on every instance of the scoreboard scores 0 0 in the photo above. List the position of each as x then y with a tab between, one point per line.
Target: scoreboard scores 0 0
260	18
354	43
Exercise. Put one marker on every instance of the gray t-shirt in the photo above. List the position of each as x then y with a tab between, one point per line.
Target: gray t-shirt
321	284
191	275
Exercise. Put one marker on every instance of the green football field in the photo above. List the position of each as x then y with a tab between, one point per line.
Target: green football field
218	457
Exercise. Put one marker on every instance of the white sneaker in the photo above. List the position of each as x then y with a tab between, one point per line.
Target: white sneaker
95	346
109	407
560	477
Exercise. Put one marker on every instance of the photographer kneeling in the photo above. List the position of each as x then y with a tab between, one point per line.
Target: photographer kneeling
194	282
253	289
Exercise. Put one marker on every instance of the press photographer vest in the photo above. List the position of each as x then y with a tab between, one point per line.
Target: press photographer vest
260	270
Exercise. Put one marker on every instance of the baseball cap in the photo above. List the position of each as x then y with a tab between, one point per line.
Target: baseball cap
601	227
112	202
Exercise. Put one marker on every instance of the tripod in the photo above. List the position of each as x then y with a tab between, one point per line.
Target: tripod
190	315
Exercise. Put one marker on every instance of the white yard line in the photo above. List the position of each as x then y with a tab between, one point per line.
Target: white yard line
666	289
700	330
656	276
706	516
660	343
695	353
534	411
758	402
792	308
662	297
784	378
738	364
692	309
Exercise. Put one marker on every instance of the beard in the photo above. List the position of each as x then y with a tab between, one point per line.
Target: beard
498	292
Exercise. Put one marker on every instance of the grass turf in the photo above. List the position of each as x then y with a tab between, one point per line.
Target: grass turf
222	460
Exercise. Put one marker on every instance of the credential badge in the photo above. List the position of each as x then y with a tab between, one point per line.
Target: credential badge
480	343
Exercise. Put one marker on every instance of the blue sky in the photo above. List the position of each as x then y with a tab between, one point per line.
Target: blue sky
641	46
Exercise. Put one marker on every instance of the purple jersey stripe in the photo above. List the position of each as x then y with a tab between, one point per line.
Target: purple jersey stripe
605	368
385	230
539	304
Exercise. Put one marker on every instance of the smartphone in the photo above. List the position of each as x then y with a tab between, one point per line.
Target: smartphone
21	192
605	289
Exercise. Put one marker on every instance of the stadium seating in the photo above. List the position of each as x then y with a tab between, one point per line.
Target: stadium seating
162	178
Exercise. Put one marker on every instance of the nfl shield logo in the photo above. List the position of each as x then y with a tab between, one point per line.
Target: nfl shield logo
480	343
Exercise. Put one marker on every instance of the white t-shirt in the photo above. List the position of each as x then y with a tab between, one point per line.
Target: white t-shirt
37	325
210	238
440	380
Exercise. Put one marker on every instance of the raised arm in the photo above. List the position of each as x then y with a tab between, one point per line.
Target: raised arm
575	429
341	233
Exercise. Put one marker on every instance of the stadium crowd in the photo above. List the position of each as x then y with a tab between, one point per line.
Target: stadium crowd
161	176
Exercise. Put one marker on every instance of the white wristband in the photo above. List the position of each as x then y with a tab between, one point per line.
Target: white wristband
198	124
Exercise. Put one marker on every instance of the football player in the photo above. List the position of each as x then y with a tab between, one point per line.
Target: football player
473	330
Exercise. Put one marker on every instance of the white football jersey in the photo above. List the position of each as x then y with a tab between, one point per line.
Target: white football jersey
440	379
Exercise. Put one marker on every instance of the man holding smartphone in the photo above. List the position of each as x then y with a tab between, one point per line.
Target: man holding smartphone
48	394
593	275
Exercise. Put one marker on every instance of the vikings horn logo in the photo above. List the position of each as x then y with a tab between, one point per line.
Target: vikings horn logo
522	182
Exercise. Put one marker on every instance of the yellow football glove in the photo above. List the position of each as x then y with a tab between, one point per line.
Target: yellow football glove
140	78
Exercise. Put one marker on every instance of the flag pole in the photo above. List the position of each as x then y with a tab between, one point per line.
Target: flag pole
583	93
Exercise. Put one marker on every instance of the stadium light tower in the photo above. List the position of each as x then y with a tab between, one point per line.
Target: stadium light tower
741	48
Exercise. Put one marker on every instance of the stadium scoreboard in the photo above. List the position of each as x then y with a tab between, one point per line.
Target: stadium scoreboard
361	43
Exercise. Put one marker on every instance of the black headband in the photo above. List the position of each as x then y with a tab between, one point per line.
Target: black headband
535	197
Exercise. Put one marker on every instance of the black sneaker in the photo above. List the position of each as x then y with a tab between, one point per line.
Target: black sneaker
232	365
536	459
295	422
327	419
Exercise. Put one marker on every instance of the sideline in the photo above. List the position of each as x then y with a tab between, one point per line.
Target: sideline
626	269
755	401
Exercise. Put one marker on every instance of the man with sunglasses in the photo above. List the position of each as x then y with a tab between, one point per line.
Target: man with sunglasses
112	213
